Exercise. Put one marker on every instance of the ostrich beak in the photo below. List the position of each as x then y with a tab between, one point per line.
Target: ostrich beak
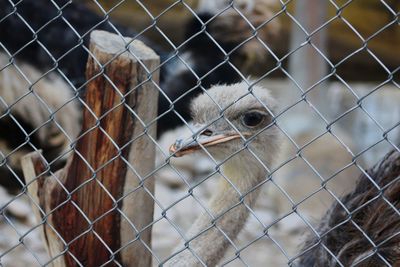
182	147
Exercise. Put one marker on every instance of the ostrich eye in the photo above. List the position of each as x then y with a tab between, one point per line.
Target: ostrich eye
252	119
207	132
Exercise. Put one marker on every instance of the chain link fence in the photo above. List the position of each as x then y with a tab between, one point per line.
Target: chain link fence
322	77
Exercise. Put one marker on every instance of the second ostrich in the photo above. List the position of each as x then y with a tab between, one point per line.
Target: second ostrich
235	126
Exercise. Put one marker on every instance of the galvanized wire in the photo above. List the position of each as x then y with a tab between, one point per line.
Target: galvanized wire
190	193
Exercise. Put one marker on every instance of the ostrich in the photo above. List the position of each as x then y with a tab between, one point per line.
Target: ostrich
236	126
368	234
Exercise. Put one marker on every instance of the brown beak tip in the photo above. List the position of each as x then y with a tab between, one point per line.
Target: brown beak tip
172	149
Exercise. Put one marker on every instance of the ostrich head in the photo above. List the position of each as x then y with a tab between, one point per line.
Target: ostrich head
233	123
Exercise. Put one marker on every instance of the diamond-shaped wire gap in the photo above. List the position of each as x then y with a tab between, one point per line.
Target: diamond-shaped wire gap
375	12
290	233
168	23
301	22
177	172
33	242
101	170
50	231
17	139
82	31
242	35
16	230
194	74
8	10
392	135
274	239
328	149
342	39
84	217
182	171
381	106
366	57
284	91
359	126
380	44
301	119
245	47
220	65
341	100
198	195
15	177
20	256
381	96
155	26
96	240
112	257
71	26
123	12
14	151
178	69
298	181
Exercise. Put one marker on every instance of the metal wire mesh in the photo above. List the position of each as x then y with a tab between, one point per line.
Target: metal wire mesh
337	111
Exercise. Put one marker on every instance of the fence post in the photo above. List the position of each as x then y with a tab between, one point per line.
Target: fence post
99	208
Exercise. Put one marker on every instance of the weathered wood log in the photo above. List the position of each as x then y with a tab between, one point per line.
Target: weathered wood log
98	209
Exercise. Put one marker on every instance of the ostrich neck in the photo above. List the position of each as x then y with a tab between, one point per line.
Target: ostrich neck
230	215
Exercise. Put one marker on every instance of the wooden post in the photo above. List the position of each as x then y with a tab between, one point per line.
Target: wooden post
98	210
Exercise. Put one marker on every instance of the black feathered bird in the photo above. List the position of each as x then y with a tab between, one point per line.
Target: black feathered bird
368	233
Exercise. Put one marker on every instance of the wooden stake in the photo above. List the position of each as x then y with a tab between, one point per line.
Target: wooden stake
99	208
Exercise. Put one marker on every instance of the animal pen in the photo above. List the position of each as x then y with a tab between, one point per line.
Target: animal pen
199	133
